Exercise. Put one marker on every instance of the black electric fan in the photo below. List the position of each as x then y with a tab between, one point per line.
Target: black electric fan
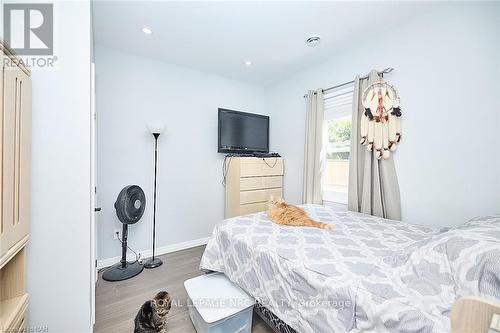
129	206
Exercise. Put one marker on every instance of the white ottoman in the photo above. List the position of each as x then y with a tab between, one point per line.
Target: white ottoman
216	305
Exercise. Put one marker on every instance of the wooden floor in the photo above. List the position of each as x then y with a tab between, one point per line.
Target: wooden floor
117	303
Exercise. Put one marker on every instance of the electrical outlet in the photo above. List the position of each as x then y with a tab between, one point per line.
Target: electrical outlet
117	233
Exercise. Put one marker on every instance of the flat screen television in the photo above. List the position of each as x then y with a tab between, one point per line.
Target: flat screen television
241	132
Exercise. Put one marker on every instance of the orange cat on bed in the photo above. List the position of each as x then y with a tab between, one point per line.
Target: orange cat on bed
282	213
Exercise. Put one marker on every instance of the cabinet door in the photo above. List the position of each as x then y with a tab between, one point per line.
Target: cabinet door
16	146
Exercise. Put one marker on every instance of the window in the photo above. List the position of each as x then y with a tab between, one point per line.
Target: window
337	126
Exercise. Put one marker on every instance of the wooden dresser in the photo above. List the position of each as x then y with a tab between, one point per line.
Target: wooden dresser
250	182
15	132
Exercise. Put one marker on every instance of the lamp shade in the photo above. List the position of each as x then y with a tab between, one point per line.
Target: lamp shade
156	128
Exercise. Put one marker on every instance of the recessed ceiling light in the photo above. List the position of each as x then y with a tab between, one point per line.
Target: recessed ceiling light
147	30
248	63
313	41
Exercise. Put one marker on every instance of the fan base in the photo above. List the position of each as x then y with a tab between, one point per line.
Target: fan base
119	273
153	263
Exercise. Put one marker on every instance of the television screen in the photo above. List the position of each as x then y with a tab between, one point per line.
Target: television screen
241	132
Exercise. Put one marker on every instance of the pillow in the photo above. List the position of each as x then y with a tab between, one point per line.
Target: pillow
467	256
481	221
473	250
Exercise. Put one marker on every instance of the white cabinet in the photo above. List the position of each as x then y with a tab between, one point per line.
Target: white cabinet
15	136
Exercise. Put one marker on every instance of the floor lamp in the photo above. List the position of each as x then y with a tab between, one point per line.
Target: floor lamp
156	130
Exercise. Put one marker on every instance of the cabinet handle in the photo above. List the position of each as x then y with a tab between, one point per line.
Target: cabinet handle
97	209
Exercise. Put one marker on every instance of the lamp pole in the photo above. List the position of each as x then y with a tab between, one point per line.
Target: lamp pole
154	262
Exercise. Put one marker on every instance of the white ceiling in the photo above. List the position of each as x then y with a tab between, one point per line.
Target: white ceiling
218	37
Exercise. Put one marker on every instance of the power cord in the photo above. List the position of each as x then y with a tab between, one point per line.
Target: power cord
137	257
225	170
275	162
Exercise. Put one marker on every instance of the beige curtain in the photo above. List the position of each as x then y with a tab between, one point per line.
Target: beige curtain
373	184
313	151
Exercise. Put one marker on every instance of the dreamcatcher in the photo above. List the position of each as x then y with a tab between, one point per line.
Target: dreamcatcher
381	121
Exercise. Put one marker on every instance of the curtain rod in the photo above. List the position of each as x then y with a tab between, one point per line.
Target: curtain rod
385	71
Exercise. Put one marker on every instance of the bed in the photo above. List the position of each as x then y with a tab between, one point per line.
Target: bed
367	274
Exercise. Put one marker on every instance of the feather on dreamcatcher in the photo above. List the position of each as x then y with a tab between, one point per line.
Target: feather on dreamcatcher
381	122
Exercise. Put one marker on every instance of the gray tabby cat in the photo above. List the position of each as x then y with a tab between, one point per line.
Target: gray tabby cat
152	317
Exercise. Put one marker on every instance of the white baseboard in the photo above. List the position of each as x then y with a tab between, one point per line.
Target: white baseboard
149	253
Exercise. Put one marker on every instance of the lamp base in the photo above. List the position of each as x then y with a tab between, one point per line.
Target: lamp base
153	263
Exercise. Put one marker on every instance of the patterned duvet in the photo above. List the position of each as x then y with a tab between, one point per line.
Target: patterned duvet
368	274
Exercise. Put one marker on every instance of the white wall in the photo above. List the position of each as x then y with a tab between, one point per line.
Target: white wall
58	257
455	179
446	68
131	92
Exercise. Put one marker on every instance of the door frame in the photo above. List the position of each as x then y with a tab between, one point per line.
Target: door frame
93	195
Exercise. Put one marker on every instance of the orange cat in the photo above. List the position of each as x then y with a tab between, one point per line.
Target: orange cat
282	213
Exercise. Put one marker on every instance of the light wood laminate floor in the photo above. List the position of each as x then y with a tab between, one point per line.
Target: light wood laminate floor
117	303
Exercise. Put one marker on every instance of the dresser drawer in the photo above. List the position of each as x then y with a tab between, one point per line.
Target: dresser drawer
247	197
257	183
260	167
253	208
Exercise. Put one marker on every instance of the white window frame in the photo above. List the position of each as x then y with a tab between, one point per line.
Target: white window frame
337	104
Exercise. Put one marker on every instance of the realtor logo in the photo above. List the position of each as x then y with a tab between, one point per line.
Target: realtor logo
29	28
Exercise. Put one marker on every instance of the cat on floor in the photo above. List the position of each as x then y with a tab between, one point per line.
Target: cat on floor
152	316
283	213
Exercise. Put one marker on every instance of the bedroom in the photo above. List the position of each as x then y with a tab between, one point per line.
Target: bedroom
128	69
